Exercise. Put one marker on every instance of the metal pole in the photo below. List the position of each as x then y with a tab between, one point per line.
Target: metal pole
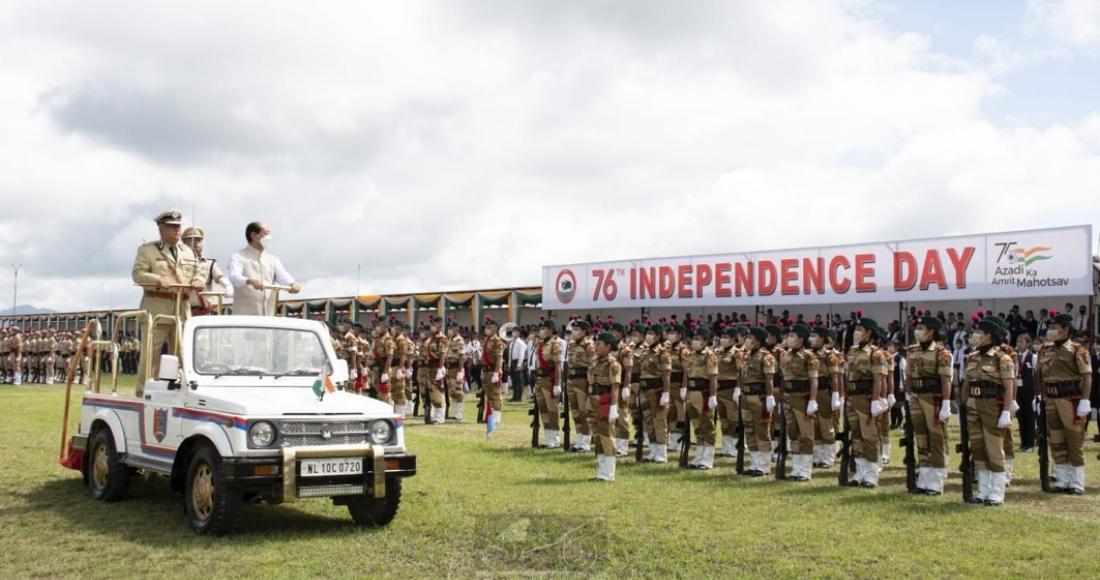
15	288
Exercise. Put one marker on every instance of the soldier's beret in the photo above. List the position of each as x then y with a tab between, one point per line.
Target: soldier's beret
676	327
1063	320
869	325
170	217
656	328
193	232
823	332
435	319
607	338
758	333
703	332
991	326
357	326
618	327
800	329
549	323
931	322
732	331
581	324
490	322
639	328
774	330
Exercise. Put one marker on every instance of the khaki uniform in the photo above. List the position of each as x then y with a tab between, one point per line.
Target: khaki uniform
1062	368
864	364
402	364
678	353
652	364
758	368
986	371
926	368
492	361
628	405
436	349
701	367
604	376
454	362
548	354
729	373
155	261
382	359
825	425
800	368
580	354
209	271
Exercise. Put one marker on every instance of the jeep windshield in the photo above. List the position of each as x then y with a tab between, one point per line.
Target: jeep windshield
257	351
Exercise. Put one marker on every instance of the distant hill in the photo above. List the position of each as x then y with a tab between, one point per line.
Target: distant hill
26	309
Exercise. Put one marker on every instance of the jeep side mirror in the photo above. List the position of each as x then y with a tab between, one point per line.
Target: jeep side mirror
340	371
169	369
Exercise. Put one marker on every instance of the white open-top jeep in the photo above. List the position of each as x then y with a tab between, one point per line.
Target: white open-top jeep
241	413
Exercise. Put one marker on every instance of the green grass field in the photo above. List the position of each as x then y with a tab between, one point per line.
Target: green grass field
499	508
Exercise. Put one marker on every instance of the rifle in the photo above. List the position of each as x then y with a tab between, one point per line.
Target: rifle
639	426
908	441
781	460
535	421
685	440
481	402
740	436
566	415
446	397
964	448
845	438
1043	440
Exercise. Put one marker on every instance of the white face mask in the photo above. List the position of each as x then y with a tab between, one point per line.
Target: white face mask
857	336
266	241
815	341
725	342
697	344
792	342
543	333
650	338
975	339
1053	335
919	334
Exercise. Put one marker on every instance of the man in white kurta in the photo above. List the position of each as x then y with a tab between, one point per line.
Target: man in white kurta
253	267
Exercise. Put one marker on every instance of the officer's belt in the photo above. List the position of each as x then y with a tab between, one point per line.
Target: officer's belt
650	384
1062	389
727	384
863	387
752	388
452	365
986	389
926	385
677	377
825	382
635	376
696	384
797	386
598	389
578	372
159	294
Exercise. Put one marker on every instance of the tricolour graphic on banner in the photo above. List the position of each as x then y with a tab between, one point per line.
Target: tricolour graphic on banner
1034	263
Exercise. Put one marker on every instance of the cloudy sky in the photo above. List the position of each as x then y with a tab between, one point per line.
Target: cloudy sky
459	145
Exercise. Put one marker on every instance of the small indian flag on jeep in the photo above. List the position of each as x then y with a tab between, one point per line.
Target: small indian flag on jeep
323	385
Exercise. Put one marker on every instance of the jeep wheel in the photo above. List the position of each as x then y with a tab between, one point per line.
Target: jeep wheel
108	478
211	504
370	512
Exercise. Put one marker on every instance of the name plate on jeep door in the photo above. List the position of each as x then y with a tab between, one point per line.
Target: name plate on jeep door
331	466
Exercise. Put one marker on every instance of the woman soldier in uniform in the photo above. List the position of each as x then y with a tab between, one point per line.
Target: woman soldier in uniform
990	382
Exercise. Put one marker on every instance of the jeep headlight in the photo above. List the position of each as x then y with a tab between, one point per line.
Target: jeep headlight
261	434
380	432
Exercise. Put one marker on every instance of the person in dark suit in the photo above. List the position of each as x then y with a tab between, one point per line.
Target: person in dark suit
1025	391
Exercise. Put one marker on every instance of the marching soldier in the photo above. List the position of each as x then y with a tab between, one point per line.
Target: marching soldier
382	359
622	351
800	369
492	366
402	359
867	369
157	266
579	355
548	356
829	380
729	369
366	351
49	367
677	352
208	270
605	380
701	372
757	400
455	363
891	400
1065	379
435	350
654	363
990	380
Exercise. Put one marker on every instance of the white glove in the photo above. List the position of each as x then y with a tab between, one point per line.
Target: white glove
613	413
400	374
556	391
624	394
439	374
1035	404
495	378
1083	408
712	402
877	407
663	401
769	403
354	374
811	407
460	375
836	401
891	400
1005	420
737	393
683	393
384	378
1014	407
228	288
945	411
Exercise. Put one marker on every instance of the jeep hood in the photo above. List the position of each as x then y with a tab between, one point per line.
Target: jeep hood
285	401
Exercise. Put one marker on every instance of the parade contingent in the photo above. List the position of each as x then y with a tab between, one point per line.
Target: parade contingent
781	397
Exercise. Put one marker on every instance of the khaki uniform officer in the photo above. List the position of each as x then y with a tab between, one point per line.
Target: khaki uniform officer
209	272
623	351
653	363
1065	376
929	368
382	359
867	370
800	368
455	363
829	379
677	351
492	362
605	377
157	266
990	381
435	349
548	355
758	367
579	354
729	370
701	370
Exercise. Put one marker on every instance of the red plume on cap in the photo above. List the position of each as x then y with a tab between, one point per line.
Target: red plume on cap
974	319
760	323
541	318
790	320
450	319
859	313
646	320
722	326
611	319
661	319
488	318
674	317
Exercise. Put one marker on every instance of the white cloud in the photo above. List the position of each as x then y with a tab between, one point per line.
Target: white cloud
447	146
1075	23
